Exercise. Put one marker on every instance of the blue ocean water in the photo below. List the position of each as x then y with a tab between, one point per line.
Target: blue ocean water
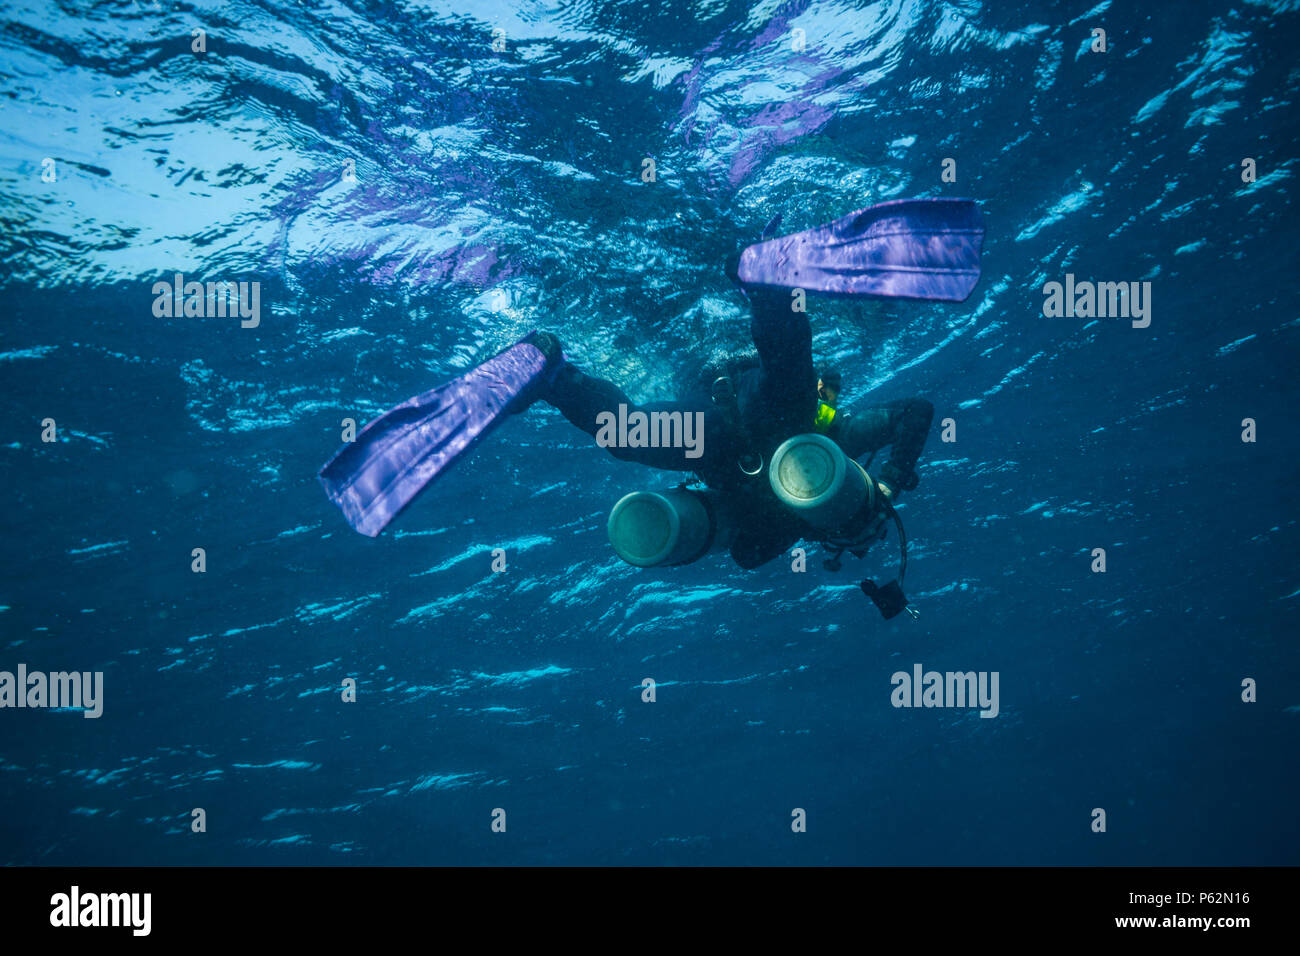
415	185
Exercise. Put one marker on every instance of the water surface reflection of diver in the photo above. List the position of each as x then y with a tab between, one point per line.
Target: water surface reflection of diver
776	459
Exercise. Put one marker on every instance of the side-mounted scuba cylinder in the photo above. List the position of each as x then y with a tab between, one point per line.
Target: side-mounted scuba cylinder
812	476
652	529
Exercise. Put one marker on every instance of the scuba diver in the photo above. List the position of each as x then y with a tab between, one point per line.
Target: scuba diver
748	414
776	459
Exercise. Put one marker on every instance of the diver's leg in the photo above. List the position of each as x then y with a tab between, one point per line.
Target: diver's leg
788	382
691	433
581	397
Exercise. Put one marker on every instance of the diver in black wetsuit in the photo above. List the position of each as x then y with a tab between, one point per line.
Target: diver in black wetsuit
749	411
777	462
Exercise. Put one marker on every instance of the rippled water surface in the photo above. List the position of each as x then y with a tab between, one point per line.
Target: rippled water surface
410	200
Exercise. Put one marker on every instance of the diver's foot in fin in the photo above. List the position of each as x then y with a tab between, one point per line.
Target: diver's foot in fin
904	248
549	345
732	267
396	455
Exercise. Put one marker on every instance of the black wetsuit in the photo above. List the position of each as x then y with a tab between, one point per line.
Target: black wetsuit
776	399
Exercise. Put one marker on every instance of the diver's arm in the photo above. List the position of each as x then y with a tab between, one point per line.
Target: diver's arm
902	425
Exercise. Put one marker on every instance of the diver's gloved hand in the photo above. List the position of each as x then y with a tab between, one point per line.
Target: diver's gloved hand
897	479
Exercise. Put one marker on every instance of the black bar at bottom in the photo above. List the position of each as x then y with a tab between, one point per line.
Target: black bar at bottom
334	906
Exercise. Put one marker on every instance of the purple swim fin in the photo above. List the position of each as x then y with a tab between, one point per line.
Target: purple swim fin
905	248
395	456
